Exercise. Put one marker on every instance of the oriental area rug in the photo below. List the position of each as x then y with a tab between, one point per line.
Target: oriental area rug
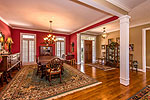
27	86
102	67
143	94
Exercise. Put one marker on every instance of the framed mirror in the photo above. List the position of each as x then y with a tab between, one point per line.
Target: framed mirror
2	41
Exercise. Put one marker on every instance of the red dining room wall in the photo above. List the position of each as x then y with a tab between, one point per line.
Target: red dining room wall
5	29
73	39
39	40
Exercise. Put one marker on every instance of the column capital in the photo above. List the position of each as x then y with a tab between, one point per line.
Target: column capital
124	19
125	16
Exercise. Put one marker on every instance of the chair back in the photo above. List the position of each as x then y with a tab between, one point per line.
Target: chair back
55	63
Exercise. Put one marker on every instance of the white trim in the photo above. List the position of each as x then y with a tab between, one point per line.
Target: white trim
120	5
124	81
108	16
4	21
79	49
132	26
138	69
148	67
93	56
21	34
144	48
101	7
41	31
64	44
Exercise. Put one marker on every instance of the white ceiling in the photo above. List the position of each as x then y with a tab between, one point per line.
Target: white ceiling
139	15
126	4
67	16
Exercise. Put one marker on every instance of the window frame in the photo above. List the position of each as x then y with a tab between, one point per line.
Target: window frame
60	45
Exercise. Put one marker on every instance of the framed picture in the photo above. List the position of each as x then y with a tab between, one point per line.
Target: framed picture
131	47
118	40
103	46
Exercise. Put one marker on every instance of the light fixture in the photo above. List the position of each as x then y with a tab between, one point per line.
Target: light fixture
104	34
50	39
50	30
9	42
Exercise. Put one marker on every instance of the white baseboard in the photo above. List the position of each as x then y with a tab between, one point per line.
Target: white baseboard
141	70
148	67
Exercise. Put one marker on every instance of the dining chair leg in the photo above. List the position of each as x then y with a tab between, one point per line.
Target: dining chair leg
60	77
50	79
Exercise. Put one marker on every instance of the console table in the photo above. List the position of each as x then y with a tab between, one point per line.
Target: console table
9	62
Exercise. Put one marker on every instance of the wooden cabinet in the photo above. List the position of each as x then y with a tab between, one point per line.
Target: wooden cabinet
9	62
46	51
113	55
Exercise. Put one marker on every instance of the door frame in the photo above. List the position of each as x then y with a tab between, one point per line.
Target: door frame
93	51
64	45
144	48
21	34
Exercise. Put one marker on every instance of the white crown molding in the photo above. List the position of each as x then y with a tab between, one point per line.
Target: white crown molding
4	21
136	25
40	30
120	5
108	16
90	33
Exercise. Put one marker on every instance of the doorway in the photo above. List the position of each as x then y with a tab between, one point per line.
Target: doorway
28	48
88	51
82	46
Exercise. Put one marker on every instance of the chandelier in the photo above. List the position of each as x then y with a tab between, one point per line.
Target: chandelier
104	34
50	39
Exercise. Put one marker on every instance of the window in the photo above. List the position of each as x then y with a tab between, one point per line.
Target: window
28	48
60	46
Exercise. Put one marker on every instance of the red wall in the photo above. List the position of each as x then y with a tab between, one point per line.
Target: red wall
39	40
73	38
5	29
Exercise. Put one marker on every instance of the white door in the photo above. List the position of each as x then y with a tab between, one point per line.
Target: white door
28	49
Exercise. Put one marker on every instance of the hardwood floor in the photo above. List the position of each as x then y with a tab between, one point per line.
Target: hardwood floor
110	89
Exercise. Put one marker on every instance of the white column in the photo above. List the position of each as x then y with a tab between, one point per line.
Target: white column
124	50
78	48
144	49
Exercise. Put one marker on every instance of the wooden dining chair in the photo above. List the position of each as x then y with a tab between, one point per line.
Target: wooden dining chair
54	67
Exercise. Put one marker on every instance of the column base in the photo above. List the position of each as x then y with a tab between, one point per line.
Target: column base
124	81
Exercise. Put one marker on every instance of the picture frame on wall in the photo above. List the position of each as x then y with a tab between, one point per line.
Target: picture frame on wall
103	46
131	47
118	40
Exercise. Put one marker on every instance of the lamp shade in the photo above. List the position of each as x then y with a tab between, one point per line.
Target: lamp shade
9	40
1	39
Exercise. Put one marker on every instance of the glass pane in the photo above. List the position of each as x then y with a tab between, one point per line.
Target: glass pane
58	49
62	48
31	51
25	51
28	36
60	38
